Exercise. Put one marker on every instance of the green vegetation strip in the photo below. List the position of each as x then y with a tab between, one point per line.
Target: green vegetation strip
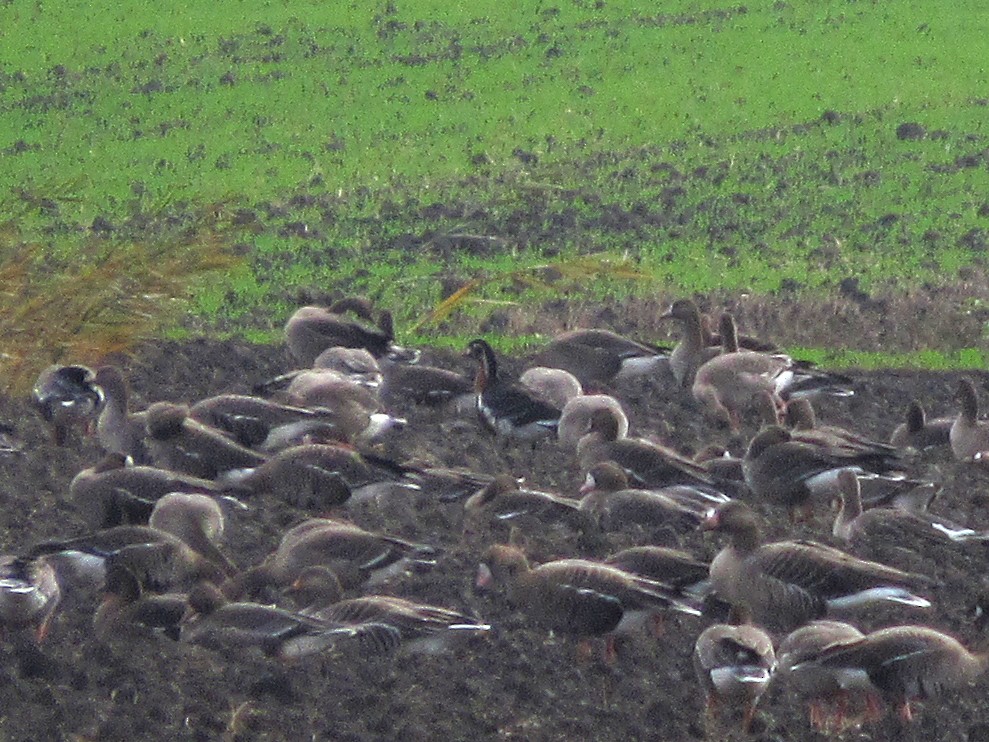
406	150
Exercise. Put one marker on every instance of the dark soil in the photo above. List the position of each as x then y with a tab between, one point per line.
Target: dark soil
521	683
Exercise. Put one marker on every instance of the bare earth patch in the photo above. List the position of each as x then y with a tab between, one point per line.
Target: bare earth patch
521	683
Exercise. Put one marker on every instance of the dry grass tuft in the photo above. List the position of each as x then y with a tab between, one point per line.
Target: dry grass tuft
559	276
102	297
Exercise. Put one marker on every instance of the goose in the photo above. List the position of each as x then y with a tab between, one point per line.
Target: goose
917	432
579	597
505	408
969	436
111	493
29	596
697	344
612	504
798	473
216	623
553	385
879	528
785	584
118	429
826	691
356	556
176	441
597	356
903	664
730	383
646	464
66	396
504	501
734	665
312	329
422	628
575	418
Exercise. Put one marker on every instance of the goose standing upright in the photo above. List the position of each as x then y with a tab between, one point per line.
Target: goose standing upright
506	408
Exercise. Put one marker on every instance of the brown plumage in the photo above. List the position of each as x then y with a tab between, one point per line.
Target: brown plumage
66	396
609	500
175	441
600	356
111	493
832	703
785	584
577	596
29	595
904	664
216	623
118	429
917	432
893	530
313	329
645	463
734	665
969	436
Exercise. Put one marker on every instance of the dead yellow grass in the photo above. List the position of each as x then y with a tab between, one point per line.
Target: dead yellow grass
104	297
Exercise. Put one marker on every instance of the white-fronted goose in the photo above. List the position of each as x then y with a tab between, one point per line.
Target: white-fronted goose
600	356
423	628
118	429
917	432
785	584
834	700
575	419
313	329
734	665
29	595
697	344
553	385
506	408
730	384
66	396
969	436
356	364
608	501
249	419
577	596
324	387
797	474
161	561
319	475
892	528
670	566
113	494
175	441
125	602
196	519
429	385
904	663
356	556
720	462
646	464
504	501
873	455
218	624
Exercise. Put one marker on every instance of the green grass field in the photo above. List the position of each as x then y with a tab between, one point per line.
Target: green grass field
403	149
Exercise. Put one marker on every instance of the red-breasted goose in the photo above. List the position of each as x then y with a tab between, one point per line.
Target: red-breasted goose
504	407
